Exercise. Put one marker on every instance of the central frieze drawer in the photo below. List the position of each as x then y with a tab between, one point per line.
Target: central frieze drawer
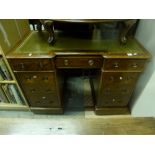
79	62
31	64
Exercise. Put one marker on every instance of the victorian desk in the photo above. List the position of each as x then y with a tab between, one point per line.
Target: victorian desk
37	66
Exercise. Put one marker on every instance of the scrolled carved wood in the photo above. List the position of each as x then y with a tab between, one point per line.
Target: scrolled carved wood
127	25
49	27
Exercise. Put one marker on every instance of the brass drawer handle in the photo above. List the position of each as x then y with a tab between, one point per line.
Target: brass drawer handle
43	97
114	100
33	90
91	62
45	78
22	65
116	65
40	65
34	76
134	65
121	78
28	78
66	62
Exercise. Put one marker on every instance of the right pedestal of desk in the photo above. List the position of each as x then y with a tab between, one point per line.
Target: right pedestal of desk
117	82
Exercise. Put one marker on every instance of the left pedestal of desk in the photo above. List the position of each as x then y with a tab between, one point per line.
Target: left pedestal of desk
38	80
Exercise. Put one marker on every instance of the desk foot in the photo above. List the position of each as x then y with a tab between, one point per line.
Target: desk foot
38	110
112	111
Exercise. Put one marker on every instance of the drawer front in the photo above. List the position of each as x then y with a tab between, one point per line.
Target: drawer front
116	88
39	88
124	91
114	100
44	100
78	62
37	79
116	80
124	64
31	64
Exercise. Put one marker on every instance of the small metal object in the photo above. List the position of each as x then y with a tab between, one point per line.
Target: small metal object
91	62
40	65
30	54
66	62
45	78
34	76
22	65
116	65
33	90
28	78
129	54
134	65
43	97
121	78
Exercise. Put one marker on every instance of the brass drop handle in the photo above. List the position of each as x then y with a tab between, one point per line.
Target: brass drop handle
121	78
22	65
113	100
134	65
66	62
33	90
40	65
116	65
91	62
43	97
34	76
28	78
45	78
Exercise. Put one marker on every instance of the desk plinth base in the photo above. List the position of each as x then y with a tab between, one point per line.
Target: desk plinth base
112	111
47	110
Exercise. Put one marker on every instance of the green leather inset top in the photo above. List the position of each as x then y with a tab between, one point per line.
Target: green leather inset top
36	43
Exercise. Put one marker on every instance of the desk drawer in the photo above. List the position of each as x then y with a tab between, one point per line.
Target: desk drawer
117	79
40	79
39	88
116	88
43	100
124	64
31	64
79	62
114	100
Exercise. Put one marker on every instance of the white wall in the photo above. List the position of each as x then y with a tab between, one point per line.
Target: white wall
144	96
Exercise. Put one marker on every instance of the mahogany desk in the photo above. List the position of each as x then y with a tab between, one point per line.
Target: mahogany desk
37	66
